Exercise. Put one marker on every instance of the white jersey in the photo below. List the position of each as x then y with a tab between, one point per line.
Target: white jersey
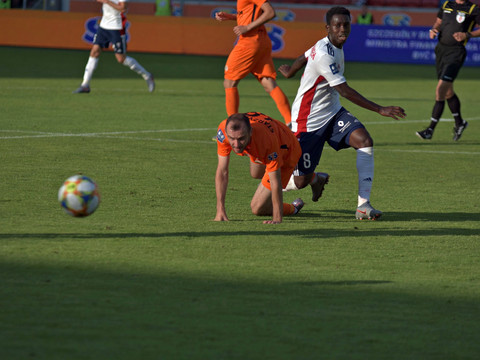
317	101
112	18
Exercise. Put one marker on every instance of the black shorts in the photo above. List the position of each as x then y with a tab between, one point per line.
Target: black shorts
105	37
449	60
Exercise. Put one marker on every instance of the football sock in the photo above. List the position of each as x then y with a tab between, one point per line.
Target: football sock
365	167
289	209
232	100
454	105
282	103
436	113
291	184
135	66
89	69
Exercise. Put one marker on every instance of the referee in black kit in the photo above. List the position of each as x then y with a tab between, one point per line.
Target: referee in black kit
454	27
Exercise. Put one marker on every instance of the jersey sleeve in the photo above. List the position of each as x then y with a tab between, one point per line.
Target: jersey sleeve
476	11
223	146
440	11
308	53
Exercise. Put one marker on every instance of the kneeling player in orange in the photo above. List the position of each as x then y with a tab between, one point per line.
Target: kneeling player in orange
274	152
252	54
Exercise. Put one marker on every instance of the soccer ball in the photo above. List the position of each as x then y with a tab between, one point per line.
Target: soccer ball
79	196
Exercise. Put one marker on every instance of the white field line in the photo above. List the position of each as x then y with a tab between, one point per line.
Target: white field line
431	151
42	134
400	122
120	135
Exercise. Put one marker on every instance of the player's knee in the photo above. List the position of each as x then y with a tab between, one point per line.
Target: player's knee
366	142
303	181
95	52
268	84
259	209
360	138
227	83
256	210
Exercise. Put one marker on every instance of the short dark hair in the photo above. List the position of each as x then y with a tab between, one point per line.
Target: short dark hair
237	120
336	10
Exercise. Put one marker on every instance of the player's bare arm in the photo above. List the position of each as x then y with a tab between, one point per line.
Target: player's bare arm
277	198
267	15
354	96
221	183
121	6
223	16
433	32
290	70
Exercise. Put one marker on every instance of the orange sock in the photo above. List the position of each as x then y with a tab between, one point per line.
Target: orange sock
232	100
282	104
288	209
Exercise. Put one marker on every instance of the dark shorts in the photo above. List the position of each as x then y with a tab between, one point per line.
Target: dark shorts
105	37
449	60
336	133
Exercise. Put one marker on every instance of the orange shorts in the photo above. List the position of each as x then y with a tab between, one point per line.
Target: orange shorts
286	170
251	55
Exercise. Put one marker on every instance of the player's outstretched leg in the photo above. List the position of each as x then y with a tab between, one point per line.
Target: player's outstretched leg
318	184
366	211
140	70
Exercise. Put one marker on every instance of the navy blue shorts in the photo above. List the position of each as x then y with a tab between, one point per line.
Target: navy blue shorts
336	133
105	37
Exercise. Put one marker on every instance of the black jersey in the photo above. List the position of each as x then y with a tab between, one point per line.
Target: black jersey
457	18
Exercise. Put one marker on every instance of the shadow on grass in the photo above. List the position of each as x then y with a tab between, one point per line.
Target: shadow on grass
321	232
64	310
409	216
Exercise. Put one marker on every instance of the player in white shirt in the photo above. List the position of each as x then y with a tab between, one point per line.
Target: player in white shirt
111	31
318	116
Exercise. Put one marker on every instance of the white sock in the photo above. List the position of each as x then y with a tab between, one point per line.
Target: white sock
365	168
89	69
135	66
291	184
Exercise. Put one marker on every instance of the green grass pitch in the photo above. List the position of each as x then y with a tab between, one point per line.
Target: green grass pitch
151	276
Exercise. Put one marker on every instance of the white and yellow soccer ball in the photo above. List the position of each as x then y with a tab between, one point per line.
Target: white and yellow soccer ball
79	196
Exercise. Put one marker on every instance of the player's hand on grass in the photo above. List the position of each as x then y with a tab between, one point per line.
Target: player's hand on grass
272	222
221	217
395	112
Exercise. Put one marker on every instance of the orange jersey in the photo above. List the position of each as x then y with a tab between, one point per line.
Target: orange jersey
272	143
247	12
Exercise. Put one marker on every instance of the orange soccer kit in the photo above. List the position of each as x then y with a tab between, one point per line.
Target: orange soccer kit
253	51
272	144
252	54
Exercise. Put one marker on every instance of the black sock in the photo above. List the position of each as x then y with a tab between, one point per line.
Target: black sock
454	105
437	113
